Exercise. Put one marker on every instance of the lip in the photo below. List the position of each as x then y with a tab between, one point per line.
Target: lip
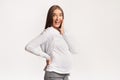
57	22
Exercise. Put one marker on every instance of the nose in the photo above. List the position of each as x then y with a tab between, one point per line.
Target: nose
57	18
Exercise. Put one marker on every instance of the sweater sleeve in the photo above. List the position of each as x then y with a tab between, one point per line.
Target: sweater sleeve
68	40
34	45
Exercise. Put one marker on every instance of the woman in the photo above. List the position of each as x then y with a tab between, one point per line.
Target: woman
53	45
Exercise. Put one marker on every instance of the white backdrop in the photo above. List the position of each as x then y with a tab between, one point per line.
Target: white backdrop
94	24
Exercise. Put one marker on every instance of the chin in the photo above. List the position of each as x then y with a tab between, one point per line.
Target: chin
57	26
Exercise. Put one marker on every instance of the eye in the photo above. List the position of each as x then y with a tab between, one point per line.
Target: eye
60	14
54	14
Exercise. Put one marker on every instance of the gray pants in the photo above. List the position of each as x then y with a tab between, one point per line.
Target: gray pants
55	76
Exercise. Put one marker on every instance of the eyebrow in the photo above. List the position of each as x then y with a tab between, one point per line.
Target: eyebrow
56	13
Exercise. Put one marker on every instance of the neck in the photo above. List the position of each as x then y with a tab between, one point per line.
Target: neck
56	28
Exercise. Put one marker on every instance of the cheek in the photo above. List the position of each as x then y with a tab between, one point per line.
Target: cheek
61	18
54	19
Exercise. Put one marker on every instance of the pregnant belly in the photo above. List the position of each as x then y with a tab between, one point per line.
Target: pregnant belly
61	60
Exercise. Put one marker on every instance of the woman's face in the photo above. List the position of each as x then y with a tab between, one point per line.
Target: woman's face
57	18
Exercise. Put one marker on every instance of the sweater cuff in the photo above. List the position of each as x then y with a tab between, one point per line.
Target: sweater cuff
48	57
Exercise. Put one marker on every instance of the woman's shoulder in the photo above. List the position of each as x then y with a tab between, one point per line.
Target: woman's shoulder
47	31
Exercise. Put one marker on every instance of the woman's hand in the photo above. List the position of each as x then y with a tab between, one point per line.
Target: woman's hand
62	28
48	62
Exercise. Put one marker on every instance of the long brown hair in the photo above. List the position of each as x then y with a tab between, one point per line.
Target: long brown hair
49	19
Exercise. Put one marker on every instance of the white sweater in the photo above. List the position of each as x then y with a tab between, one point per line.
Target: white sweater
50	44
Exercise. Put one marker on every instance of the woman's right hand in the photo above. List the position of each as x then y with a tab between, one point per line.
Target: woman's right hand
48	62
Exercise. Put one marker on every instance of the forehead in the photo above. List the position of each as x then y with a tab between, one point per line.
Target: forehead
57	11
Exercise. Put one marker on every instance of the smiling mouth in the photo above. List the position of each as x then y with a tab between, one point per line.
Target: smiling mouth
57	22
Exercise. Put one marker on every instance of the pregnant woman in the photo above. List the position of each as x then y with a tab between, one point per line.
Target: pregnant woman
53	45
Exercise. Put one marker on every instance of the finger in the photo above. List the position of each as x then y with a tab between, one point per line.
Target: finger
63	22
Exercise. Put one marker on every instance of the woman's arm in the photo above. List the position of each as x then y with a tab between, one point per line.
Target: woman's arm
67	38
34	45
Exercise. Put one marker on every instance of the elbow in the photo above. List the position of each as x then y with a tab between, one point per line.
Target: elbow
74	51
27	48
